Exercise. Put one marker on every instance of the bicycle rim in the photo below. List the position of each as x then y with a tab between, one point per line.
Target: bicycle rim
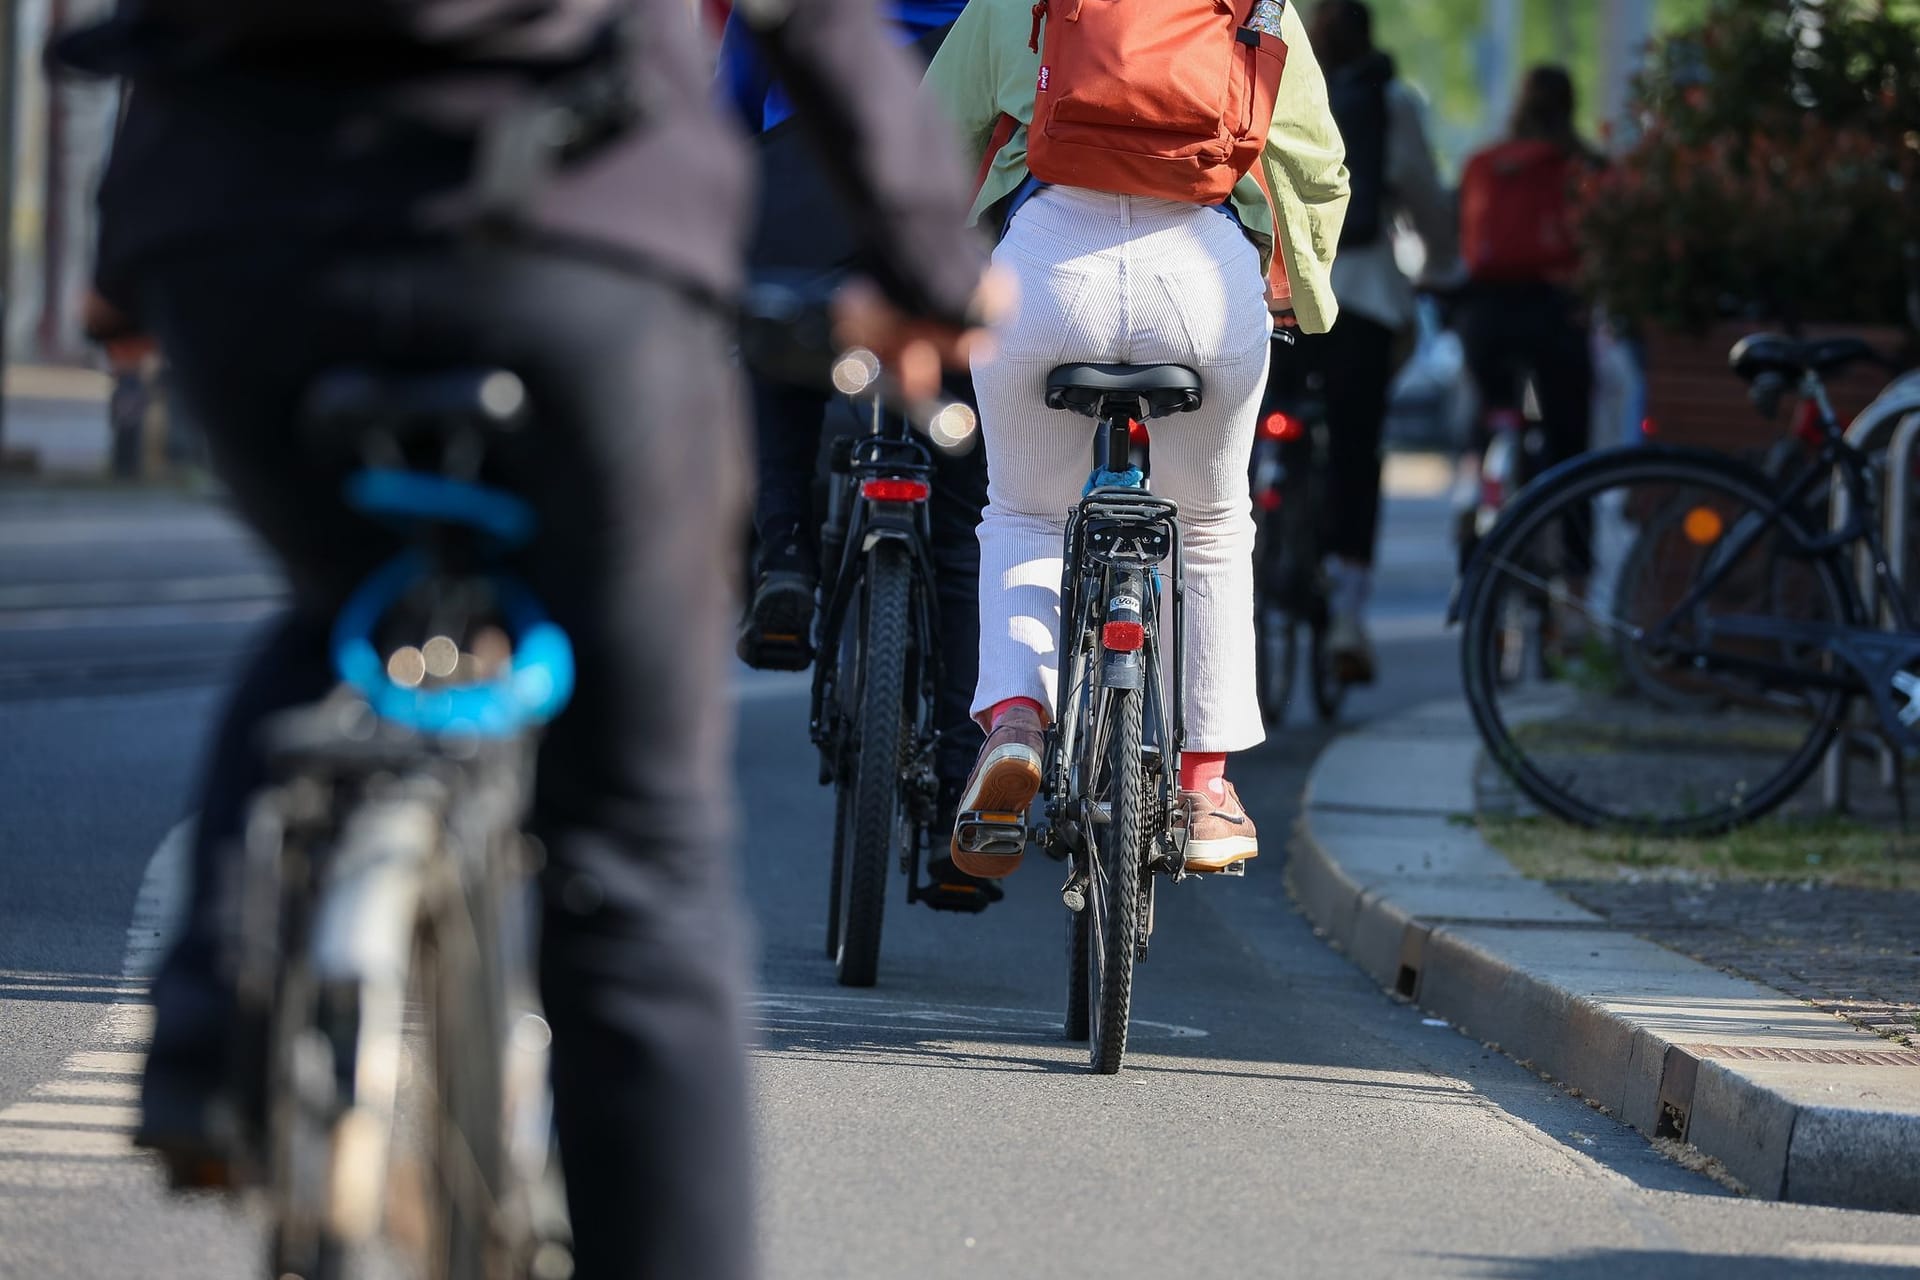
1114	872
873	825
1563	587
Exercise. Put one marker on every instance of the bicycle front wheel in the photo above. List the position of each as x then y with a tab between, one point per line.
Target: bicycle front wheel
870	818
1644	644
1115	868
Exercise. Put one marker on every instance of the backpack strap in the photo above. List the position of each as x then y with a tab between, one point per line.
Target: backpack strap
1003	131
1279	287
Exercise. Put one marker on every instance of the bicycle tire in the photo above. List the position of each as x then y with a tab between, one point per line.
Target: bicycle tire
874	808
1273	629
1329	690
837	873
1113	880
1569	497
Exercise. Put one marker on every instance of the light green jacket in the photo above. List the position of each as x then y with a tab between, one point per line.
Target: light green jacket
985	70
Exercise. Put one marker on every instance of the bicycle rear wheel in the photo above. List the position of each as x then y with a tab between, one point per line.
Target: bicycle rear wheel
871	824
1678	562
1116	793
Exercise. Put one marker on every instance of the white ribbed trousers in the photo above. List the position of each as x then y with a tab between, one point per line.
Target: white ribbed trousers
1124	279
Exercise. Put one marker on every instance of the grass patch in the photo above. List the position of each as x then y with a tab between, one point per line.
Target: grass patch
1828	850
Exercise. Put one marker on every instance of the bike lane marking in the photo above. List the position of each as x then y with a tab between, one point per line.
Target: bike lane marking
74	1129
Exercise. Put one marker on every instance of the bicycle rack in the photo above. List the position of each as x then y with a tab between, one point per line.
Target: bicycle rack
1891	422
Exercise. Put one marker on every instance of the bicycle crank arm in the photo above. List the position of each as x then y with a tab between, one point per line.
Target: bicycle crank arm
991	832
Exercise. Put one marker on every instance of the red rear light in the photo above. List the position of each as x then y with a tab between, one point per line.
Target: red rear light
894	490
1649	427
1269	499
1137	432
1806	422
1123	637
1282	426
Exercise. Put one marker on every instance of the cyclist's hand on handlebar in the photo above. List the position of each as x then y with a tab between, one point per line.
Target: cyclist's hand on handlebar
104	322
916	350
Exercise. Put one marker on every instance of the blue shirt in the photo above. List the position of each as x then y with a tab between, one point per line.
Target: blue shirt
748	88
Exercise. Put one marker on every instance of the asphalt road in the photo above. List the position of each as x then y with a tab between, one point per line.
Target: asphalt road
1280	1115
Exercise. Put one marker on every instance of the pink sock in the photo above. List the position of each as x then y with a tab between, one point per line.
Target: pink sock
1204	771
1000	709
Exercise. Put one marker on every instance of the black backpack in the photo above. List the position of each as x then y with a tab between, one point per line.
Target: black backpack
1358	95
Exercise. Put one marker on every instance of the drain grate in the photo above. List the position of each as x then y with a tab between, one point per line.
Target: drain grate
1825	1057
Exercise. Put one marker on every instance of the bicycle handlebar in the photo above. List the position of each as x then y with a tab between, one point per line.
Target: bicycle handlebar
786	334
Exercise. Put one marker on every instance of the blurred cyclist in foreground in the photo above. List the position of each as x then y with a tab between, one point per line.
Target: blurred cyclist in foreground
1394	177
418	183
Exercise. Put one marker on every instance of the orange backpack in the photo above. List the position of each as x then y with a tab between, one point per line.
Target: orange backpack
1168	98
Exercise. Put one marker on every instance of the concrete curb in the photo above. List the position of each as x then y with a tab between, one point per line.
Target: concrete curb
1797	1104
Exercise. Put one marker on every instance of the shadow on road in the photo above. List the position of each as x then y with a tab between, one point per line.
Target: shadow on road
1610	1264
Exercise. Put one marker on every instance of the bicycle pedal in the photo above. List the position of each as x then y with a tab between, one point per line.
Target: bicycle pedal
991	832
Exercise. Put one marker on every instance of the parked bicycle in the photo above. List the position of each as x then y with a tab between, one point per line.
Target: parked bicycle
1699	631
1290	580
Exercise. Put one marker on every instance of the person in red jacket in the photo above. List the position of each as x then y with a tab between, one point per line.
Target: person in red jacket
1519	316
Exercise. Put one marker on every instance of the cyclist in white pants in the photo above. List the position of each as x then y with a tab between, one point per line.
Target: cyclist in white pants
1135	280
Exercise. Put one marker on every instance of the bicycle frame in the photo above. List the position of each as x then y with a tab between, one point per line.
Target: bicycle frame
1116	540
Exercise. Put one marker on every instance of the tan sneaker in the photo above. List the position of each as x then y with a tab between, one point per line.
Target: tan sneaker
993	807
1218	834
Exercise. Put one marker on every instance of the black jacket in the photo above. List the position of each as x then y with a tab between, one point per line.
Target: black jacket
245	148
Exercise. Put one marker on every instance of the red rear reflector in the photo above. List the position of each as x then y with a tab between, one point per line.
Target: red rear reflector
1806	422
894	490
1137	431
1269	499
1123	637
1282	426
1649	427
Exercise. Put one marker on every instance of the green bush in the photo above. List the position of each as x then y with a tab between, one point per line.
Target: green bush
1776	175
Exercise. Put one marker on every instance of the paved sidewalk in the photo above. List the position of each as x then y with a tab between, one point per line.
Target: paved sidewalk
1795	1102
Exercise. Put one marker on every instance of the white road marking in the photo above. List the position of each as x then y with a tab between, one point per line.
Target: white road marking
774	1009
102	617
1872	1255
82	1114
74	1129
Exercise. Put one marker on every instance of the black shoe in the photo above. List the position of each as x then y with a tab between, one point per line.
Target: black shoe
191	1113
948	888
183	1120
777	633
